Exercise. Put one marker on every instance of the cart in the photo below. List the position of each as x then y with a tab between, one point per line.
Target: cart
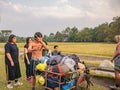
81	81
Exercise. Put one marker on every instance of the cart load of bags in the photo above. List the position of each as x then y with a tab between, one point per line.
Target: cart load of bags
62	65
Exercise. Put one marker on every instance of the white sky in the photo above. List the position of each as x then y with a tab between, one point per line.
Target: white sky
25	17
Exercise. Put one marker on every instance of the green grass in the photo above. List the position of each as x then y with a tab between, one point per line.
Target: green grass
102	76
96	63
26	85
88	49
3	83
97	87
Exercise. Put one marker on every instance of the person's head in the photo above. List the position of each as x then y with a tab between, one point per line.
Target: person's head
12	38
56	47
117	38
28	40
38	36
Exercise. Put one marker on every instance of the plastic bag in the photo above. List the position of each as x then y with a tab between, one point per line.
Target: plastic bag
41	66
68	85
107	64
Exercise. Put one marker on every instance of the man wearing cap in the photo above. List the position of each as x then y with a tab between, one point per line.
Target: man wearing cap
36	48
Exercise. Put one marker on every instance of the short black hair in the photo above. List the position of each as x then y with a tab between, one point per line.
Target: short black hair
37	34
11	37
55	46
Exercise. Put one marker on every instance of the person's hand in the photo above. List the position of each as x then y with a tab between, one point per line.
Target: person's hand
39	39
28	62
12	63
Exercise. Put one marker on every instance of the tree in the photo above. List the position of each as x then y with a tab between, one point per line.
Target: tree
66	33
4	34
102	32
51	37
114	28
59	37
73	35
85	35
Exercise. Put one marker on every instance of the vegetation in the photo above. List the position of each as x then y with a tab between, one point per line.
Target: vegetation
26	85
88	49
104	32
4	34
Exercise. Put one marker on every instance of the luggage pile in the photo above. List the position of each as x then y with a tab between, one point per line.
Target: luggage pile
60	71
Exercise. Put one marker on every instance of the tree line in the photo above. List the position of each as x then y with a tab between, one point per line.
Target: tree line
4	35
104	32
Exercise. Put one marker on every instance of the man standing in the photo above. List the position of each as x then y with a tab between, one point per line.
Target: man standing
116	59
36	48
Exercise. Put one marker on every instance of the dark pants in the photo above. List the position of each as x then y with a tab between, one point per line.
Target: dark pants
27	69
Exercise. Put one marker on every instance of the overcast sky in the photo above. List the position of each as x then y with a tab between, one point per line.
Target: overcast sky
25	17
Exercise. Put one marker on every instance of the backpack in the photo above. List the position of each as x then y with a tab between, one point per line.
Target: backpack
54	60
69	62
61	69
76	59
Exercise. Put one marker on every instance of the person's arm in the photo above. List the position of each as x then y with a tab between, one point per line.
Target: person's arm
52	53
117	53
59	53
10	59
26	56
30	49
44	45
8	55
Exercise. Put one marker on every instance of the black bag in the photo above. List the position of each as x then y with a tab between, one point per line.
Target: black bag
54	60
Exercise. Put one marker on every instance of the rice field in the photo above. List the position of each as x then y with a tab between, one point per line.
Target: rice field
26	85
94	49
89	49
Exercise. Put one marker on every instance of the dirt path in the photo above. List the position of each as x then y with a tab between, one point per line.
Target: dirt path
92	58
105	82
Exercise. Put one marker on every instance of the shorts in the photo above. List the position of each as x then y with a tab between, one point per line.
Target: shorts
33	64
117	68
117	63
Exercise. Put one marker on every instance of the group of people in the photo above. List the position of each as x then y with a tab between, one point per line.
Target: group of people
33	52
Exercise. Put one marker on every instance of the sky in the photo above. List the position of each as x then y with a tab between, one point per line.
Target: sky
25	17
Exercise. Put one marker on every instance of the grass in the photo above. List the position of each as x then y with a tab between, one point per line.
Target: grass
93	73
91	49
87	62
26	85
88	49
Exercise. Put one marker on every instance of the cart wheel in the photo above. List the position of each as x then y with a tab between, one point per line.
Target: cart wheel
82	83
